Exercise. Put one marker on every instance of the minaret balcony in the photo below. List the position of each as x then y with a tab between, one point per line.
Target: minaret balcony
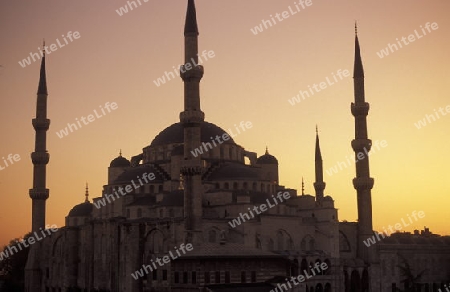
192	117
189	72
360	145
319	186
41	124
40	158
360	109
363	183
39	194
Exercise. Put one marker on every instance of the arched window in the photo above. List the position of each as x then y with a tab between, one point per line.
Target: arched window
245	185
294	268
139	213
161	213
355	281
307	243
217	186
312	244
154	244
226	186
235	186
365	281
160	189
254	186
303	266
152	189
347	282
171	213
280	240
344	244
327	287
319	288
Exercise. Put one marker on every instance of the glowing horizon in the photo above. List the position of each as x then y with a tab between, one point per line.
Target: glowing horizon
252	78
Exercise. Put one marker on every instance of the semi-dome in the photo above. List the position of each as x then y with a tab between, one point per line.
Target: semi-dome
120	161
267	159
135	173
234	171
174	134
81	210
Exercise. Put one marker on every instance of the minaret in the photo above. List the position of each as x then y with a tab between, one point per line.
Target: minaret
191	118
40	157
319	185
363	183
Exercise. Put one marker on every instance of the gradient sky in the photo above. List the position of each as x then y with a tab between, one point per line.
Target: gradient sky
251	78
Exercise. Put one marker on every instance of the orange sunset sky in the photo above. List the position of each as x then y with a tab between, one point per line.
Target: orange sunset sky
251	78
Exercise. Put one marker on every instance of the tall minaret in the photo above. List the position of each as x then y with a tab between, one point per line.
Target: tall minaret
319	185
363	183
191	118
40	157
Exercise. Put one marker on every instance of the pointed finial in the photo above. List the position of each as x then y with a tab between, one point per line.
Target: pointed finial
87	193
42	87
317	130
358	70
120	153
267	150
190	27
303	187
43	45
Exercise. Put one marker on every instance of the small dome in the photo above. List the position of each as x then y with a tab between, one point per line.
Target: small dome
81	210
120	161
267	159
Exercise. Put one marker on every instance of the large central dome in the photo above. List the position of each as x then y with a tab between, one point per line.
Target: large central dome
175	134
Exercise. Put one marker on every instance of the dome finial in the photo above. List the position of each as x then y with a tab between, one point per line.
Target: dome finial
87	193
303	187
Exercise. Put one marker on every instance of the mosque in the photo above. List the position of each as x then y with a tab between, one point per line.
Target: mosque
163	221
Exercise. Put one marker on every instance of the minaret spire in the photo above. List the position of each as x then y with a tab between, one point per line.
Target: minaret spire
190	27
192	117
319	184
40	157
42	88
358	70
361	145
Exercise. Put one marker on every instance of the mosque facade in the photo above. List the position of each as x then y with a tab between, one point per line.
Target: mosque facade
169	220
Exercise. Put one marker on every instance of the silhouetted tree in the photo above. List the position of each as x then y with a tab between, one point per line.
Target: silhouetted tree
12	266
411	281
